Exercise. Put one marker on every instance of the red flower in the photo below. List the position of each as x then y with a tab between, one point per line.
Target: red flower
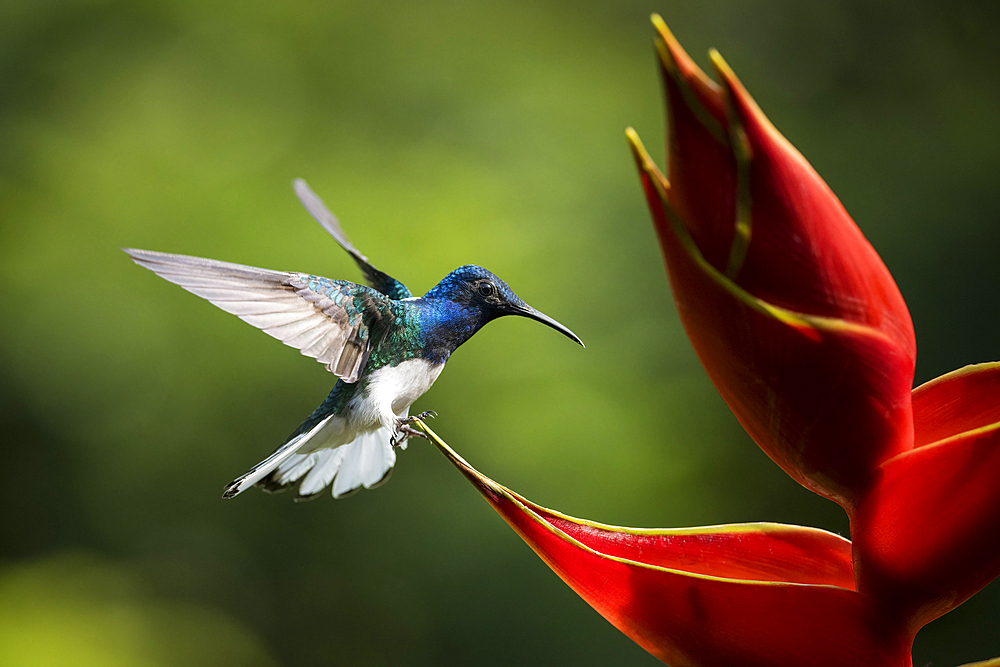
797	321
806	336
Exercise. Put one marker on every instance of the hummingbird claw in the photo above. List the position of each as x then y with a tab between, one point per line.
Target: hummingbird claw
403	433
404	430
412	418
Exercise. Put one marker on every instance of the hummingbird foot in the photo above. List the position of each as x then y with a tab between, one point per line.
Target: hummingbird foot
403	433
404	430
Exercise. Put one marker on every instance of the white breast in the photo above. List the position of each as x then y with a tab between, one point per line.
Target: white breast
394	388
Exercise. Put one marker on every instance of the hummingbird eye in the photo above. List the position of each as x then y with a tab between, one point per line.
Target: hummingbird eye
486	288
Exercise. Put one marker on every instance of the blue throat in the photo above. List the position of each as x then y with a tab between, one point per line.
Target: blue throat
454	309
446	324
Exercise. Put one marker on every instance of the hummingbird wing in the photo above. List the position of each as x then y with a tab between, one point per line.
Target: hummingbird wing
382	282
334	321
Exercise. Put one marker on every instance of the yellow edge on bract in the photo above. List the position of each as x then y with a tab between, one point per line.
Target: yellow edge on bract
964	370
743	154
971	369
995	662
943	442
665	42
736	139
730	82
523	503
808	325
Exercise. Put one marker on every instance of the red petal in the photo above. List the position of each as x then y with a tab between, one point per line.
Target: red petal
689	619
960	401
759	212
701	164
828	400
927	534
805	253
753	551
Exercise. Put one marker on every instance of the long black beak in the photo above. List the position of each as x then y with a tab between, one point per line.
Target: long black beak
524	310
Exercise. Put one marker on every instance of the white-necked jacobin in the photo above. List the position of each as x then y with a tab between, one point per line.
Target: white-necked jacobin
385	345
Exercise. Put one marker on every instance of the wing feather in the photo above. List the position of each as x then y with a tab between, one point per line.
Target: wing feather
380	281
329	320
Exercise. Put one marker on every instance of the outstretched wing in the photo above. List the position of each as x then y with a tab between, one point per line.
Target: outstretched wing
333	321
384	283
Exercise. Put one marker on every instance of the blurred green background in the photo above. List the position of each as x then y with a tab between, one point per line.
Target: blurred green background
442	133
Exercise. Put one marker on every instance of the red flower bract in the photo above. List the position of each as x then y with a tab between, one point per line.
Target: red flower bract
805	335
791	311
754	595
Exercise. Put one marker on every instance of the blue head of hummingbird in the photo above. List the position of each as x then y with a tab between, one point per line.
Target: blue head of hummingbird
386	346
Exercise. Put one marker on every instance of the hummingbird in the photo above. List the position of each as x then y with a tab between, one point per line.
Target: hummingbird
386	347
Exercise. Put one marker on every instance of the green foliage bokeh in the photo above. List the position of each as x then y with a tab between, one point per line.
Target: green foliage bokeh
442	133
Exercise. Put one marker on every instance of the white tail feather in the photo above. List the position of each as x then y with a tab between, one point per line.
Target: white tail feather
325	466
264	468
366	461
295	468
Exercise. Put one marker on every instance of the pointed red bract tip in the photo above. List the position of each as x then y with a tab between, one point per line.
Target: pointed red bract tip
677	64
805	253
700	165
